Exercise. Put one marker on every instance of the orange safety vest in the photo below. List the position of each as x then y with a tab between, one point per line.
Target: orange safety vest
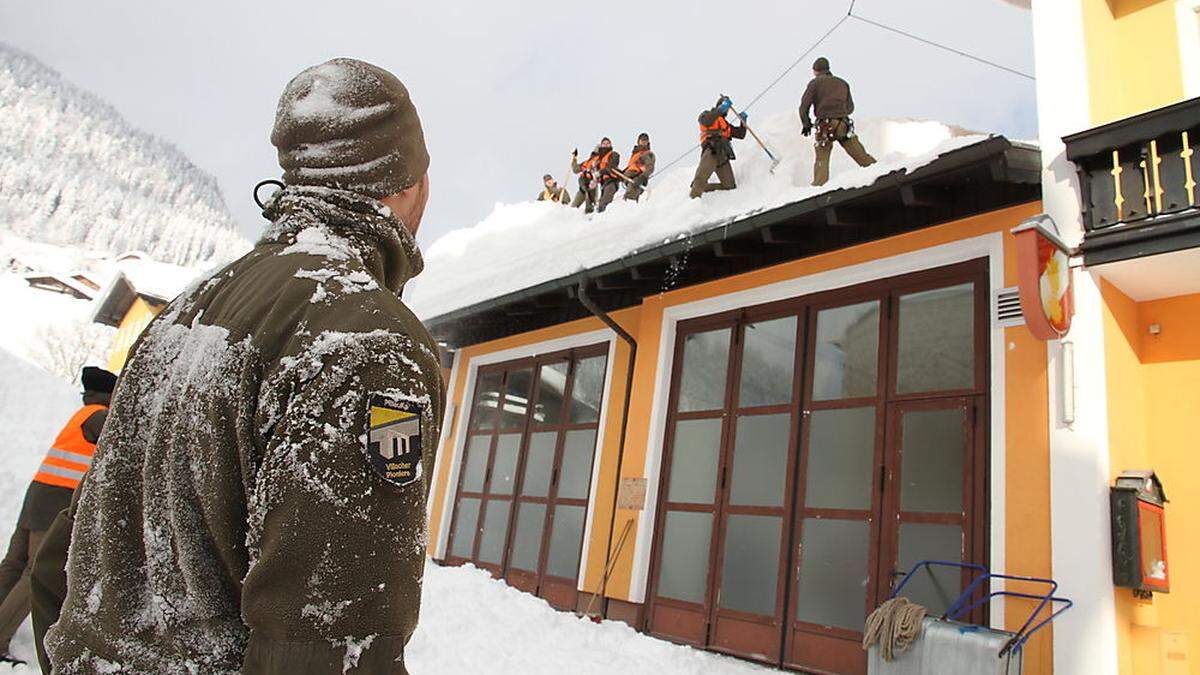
719	127
605	160
585	169
71	454
635	161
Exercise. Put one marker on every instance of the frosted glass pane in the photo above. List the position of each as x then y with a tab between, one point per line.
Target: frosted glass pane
465	521
539	464
833	573
588	389
841	458
768	357
487	393
527	540
476	464
495	529
576	473
504	468
760	459
705	357
847	352
694	461
931	467
937	340
552	382
683	572
516	398
934	588
750	570
566	538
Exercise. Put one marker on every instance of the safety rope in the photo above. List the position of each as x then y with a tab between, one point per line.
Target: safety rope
838	24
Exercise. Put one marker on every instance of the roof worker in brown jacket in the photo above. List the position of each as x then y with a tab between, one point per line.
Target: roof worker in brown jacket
242	513
716	150
640	167
586	196
64	466
551	192
606	162
829	97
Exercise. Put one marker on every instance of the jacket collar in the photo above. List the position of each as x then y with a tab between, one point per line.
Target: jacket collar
373	232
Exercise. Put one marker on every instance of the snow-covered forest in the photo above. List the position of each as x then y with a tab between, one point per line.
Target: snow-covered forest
74	172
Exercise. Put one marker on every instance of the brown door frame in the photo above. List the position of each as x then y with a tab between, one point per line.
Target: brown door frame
537	582
887	292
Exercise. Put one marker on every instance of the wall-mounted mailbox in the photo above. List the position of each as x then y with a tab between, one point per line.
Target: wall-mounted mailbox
1139	534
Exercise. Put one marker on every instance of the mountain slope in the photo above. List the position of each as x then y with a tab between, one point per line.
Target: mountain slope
74	172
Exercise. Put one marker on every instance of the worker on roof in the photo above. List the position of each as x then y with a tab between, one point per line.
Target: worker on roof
639	168
829	97
606	167
716	150
50	492
586	196
551	192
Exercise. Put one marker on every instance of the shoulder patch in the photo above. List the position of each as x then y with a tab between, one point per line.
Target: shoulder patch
394	440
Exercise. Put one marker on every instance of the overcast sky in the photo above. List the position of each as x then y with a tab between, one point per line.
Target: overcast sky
507	89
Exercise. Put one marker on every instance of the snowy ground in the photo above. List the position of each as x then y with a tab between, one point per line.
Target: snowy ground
471	623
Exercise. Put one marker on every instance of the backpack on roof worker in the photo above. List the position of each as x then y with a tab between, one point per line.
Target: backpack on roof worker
640	167
716	150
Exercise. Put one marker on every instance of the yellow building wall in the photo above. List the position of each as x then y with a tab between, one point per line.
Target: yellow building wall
1154	404
1027	498
136	319
1133	58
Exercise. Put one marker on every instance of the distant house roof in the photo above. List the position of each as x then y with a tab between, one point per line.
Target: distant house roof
139	277
77	286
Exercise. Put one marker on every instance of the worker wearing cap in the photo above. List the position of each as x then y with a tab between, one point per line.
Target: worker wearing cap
66	462
829	97
639	168
551	192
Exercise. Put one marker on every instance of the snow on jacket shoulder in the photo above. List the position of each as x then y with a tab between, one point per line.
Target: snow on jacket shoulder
243	513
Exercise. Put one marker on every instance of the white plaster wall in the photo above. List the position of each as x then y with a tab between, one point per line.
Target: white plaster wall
1084	637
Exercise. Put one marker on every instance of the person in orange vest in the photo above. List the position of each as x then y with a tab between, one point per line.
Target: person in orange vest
586	196
552	192
50	492
716	149
641	165
608	161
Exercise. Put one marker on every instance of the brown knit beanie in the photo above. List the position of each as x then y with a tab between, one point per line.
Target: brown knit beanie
349	125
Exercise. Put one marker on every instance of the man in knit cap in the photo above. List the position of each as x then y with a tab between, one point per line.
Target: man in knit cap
249	508
829	98
551	192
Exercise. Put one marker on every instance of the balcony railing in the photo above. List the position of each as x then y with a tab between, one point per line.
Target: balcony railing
1139	182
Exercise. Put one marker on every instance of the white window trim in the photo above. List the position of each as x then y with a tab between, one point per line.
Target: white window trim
990	246
1187	19
605	335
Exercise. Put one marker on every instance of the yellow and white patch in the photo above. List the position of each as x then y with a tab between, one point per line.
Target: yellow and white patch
394	442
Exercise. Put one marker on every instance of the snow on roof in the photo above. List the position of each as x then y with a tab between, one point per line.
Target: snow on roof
524	244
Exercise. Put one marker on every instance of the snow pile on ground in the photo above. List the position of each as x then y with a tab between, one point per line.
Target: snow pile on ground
73	171
33	407
521	245
471	623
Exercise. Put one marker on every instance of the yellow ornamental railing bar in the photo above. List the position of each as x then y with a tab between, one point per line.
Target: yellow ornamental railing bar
1145	167
1155	160
1190	182
1116	172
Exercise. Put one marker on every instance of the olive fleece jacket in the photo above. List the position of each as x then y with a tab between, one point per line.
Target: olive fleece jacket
235	518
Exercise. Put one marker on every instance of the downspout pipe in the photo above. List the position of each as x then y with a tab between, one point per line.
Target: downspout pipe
591	306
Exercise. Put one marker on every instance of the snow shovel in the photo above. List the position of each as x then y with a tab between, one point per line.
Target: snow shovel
774	159
629	181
